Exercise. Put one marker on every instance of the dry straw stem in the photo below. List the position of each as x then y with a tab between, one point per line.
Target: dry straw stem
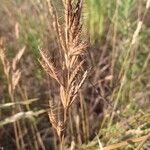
26	102
115	146
71	77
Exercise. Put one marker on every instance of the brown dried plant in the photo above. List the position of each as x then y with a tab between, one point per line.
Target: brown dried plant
12	74
71	76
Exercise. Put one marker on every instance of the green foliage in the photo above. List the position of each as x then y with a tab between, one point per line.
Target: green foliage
34	43
124	16
31	34
10	51
95	16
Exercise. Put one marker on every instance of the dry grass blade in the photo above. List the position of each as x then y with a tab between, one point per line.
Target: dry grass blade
17	58
5	62
120	145
27	102
143	142
100	144
15	78
125	143
21	115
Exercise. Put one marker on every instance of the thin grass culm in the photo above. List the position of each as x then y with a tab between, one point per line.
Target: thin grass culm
71	76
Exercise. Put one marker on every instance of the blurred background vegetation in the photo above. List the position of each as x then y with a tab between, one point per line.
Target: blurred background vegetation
113	105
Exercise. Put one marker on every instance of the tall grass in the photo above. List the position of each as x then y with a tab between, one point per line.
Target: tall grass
70	77
111	110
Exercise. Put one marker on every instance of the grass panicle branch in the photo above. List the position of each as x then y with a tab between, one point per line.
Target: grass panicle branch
72	48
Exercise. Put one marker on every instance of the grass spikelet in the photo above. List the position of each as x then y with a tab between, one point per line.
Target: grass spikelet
72	47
